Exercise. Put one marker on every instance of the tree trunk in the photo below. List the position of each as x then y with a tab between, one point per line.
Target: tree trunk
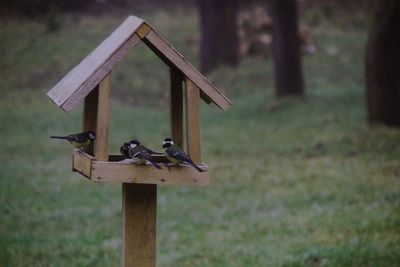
219	39
286	48
382	64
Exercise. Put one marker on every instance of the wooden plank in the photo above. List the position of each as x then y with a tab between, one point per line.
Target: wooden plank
169	54
143	30
90	115
74	80
103	119
103	171
176	107
193	140
82	163
99	74
139	225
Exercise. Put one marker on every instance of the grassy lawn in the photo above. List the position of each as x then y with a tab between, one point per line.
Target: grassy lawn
313	185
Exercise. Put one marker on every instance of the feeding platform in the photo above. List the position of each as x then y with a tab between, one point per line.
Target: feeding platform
118	170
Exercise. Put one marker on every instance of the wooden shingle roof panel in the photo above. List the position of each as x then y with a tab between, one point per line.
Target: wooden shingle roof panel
74	80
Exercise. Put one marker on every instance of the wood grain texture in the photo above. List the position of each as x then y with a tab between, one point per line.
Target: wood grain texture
90	115
139	225
172	56
103	119
176	107
119	172
83	77
143	30
82	163
99	74
193	142
103	171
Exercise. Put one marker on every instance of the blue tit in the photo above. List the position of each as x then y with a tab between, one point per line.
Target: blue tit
79	140
175	155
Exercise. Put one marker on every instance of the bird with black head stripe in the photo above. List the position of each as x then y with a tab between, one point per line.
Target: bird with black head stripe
139	153
176	156
79	140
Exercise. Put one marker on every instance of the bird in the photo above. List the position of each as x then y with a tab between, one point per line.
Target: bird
175	155
78	140
134	141
124	149
139	152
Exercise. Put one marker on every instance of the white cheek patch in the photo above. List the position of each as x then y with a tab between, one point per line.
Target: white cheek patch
133	145
168	142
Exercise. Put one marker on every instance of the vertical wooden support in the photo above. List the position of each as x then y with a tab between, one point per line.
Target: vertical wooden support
103	119
139	225
90	115
193	120
96	117
176	107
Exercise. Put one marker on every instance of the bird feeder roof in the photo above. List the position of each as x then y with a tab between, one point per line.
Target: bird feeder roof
84	77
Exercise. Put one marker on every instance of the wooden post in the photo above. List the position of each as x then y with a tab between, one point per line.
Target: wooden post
176	107
193	120
90	115
103	119
96	117
139	208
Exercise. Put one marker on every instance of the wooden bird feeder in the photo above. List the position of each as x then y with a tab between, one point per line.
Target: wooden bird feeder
90	81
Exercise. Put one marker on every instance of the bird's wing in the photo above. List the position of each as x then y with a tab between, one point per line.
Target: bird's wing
178	154
154	152
143	155
148	150
79	138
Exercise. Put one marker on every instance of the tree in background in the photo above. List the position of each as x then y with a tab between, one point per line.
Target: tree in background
219	39
382	64
286	48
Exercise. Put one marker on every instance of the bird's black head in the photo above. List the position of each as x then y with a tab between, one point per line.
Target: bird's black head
167	142
125	149
91	135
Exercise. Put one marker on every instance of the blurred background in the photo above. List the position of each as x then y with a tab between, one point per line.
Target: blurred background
305	166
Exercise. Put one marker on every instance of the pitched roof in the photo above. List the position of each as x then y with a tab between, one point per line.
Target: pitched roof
82	79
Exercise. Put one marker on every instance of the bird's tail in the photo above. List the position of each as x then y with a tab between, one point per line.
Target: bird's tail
59	137
195	166
155	164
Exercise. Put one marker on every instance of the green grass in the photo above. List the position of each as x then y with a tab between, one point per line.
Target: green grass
313	185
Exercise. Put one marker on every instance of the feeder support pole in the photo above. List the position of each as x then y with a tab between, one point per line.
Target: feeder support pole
139	211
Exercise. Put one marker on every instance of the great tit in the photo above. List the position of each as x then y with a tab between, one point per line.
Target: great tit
152	152
139	152
124	149
79	140
175	155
